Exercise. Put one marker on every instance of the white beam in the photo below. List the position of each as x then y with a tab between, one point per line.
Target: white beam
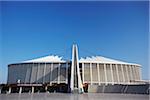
80	84
72	71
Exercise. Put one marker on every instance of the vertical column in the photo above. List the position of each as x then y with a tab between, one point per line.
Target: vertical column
72	70
105	73
112	77
9	91
32	89
122	73
91	73
20	90
83	72
117	73
46	88
98	73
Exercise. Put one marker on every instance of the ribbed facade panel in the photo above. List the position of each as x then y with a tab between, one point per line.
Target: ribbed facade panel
92	73
87	75
47	73
102	74
63	72
28	73
120	73
55	73
125	73
34	73
114	73
108	73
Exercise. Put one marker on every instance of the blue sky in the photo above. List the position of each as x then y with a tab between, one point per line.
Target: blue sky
112	29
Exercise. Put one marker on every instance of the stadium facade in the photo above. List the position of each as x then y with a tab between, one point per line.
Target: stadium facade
89	74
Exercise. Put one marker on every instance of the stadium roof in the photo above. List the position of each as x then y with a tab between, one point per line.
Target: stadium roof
94	59
100	59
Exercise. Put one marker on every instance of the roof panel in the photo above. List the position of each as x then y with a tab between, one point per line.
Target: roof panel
100	59
50	58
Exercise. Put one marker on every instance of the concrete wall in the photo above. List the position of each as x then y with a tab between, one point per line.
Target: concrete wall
131	89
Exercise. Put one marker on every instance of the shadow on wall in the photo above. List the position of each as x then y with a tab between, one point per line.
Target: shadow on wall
54	77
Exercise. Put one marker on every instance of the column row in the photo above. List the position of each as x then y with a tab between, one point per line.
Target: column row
97	73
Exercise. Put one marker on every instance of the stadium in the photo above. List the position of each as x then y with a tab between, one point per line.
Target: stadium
78	75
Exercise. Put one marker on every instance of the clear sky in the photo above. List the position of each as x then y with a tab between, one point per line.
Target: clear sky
115	29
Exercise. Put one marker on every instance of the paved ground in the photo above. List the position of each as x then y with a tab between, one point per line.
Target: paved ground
61	96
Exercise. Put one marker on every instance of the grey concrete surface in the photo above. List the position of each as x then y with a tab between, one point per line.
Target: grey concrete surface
63	96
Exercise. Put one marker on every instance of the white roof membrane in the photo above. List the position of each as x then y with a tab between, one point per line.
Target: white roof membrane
100	59
93	59
50	58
